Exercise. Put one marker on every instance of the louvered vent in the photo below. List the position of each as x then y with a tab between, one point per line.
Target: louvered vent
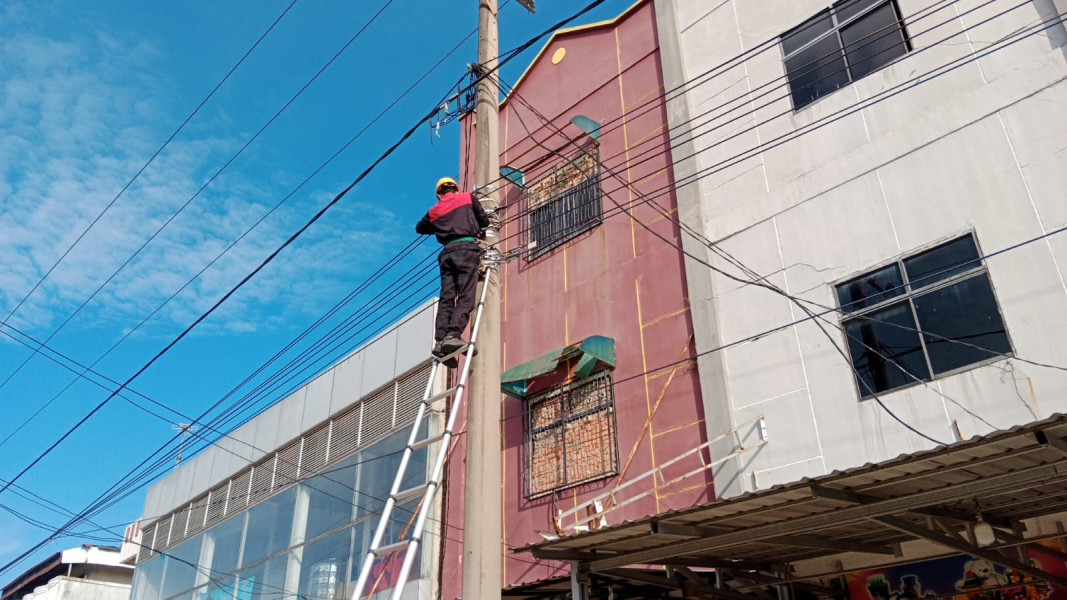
345	433
409	394
163	537
216	506
178	531
313	458
262	475
196	515
360	425
147	544
239	492
287	466
377	415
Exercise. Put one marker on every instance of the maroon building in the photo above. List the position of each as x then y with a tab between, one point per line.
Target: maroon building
595	320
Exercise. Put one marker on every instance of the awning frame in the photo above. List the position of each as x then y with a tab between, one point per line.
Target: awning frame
925	498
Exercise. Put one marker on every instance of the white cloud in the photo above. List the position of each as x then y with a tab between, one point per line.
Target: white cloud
77	119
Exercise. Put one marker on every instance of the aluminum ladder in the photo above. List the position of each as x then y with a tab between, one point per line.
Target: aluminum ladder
426	490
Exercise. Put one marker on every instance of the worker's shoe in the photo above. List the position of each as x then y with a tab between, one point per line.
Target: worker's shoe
451	344
438	349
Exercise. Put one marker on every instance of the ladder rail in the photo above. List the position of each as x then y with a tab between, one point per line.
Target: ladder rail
390	502
434	481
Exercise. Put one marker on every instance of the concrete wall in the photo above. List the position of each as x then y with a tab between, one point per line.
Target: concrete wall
980	148
66	588
391	354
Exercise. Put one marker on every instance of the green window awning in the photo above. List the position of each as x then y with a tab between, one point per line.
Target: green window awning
590	352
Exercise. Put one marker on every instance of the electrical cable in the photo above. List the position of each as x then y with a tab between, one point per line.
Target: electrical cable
709	75
761	147
712	267
758	280
148	162
266	261
189	201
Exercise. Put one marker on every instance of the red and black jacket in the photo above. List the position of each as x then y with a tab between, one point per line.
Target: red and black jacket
454	216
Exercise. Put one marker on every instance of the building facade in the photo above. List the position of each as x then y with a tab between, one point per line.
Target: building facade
894	168
595	325
285	506
84	573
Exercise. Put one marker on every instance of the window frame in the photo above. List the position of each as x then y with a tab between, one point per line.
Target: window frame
590	147
979	269
835	31
558	393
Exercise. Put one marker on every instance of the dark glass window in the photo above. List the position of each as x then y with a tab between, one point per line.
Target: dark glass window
563	202
871	288
927	268
886	350
961	324
925	315
851	40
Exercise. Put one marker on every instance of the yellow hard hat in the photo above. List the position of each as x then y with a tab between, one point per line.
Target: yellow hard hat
444	181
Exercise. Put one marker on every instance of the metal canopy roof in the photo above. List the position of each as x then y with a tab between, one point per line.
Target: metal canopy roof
932	495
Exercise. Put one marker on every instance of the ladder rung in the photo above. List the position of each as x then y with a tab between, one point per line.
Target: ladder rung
426	442
391	548
411	492
445	394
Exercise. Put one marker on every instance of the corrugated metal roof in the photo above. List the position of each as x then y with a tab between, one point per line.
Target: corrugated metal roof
1013	474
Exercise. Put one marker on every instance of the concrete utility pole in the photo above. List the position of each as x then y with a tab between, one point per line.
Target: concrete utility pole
482	509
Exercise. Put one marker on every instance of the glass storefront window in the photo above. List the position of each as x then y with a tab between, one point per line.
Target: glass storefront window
147	579
330	497
250	555
225	538
325	563
270	524
378	467
265	581
180	572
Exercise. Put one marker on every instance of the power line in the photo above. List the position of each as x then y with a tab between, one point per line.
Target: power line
817	124
258	222
711	74
149	162
755	281
289	241
189	201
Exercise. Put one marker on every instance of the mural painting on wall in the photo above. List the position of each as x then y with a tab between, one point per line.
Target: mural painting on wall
960	578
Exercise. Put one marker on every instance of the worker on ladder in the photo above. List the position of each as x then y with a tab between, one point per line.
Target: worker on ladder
458	220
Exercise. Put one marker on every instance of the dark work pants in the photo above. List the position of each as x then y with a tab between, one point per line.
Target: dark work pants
459	278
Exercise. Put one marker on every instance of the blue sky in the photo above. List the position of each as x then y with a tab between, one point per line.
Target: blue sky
88	92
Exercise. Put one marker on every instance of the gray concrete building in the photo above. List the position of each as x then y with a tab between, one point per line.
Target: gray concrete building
87	572
286	504
897	168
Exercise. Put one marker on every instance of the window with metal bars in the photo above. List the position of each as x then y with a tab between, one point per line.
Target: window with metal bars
844	43
564	202
926	315
571	437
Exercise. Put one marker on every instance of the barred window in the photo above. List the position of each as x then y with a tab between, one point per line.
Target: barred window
564	202
846	42
571	436
926	315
